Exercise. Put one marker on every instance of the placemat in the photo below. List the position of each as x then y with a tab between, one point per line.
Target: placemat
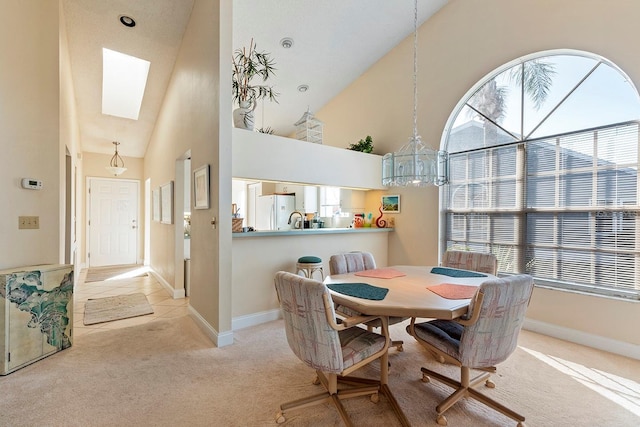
454	272
453	291
381	273
359	290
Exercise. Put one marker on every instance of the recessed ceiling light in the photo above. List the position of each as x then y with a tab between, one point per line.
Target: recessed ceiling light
286	42
127	21
303	88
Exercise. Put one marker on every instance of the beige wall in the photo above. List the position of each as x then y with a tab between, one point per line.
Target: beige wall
190	120
30	129
462	43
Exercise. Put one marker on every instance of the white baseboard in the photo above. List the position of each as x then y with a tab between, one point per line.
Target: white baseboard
584	338
220	340
175	293
254	319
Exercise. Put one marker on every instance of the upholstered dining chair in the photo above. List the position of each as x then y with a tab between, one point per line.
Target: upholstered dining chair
352	262
486	336
468	260
333	349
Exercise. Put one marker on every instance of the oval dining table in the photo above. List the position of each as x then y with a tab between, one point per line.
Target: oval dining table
408	293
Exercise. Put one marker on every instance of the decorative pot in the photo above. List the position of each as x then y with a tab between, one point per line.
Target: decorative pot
243	116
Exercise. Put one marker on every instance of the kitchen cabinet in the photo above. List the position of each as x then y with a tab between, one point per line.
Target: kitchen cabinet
36	313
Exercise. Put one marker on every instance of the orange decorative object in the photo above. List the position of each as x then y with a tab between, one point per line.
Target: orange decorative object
358	220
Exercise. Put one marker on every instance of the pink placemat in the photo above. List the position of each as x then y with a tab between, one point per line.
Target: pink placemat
453	291
381	273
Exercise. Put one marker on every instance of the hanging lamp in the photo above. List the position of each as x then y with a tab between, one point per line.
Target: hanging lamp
415	164
116	165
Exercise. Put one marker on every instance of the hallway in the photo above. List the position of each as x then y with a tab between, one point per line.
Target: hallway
164	307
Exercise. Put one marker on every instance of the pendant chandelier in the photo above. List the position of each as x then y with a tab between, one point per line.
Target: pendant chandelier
116	165
415	164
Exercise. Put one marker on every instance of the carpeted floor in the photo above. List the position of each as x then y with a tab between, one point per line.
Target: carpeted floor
168	373
111	272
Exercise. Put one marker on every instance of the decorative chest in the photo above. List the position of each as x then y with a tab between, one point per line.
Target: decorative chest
36	313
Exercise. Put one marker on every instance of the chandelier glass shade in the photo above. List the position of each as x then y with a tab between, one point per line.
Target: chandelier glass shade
415	164
116	165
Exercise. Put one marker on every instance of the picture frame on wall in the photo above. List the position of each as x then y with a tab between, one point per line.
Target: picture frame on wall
166	203
391	204
155	195
201	187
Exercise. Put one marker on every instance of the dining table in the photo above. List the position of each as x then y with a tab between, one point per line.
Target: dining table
405	291
409	291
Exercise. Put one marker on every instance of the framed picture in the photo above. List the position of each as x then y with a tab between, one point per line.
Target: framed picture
155	194
391	204
166	201
201	187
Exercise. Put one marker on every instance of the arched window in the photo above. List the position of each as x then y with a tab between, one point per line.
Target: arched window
543	172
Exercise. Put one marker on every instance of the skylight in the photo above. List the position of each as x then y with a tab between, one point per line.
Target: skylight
124	78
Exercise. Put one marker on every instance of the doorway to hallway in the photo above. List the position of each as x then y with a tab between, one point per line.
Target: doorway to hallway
113	221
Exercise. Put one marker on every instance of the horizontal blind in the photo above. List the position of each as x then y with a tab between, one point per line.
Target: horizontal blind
582	209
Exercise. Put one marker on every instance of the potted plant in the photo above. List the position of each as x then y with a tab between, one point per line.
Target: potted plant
364	145
248	64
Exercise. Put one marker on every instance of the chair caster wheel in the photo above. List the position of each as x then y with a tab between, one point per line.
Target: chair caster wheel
425	378
441	420
490	384
520	424
280	418
400	348
375	398
316	381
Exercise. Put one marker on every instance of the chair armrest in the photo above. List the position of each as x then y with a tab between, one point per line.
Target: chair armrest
475	314
346	322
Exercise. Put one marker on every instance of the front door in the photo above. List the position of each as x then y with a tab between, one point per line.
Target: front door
113	221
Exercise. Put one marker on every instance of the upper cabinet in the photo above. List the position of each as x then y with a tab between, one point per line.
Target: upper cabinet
261	156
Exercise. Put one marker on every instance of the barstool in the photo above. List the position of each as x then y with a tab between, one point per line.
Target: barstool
308	265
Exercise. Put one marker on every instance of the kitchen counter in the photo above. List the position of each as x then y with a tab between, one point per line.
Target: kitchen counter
311	231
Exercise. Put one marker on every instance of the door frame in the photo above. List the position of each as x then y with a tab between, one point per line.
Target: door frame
87	234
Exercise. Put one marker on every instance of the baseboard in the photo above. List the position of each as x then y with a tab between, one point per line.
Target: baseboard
254	319
220	340
584	338
175	293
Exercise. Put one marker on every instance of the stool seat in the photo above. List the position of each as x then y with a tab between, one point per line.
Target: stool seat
309	264
309	259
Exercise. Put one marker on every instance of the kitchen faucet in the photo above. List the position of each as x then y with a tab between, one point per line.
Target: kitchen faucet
296	212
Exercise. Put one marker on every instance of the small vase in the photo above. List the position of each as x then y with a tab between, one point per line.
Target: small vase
243	116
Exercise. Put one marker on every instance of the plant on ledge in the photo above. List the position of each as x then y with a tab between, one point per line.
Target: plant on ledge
364	145
248	63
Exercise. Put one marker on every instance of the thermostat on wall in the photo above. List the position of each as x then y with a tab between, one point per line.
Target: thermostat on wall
31	184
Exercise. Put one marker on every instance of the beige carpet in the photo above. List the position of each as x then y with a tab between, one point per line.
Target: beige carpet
167	373
98	274
100	310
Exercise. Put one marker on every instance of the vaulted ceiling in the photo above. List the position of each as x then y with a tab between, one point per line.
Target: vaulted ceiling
334	42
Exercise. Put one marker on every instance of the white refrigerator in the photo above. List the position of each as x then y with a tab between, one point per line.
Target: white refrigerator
272	212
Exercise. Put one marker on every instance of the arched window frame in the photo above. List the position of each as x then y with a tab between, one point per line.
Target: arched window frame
550	259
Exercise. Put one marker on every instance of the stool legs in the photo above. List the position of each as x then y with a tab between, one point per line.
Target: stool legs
308	270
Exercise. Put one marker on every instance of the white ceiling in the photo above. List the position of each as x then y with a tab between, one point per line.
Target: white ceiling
335	41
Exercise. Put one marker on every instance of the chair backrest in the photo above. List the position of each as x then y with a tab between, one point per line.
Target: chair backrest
494	336
474	261
351	262
309	333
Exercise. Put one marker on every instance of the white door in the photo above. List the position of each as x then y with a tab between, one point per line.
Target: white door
113	222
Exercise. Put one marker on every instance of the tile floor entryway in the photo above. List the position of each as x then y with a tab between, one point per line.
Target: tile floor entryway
164	306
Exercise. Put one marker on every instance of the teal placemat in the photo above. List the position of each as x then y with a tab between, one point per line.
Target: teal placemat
359	290
454	272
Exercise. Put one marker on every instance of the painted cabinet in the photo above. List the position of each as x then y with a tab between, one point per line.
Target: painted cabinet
36	313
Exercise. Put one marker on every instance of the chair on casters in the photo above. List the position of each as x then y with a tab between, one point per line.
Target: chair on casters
352	262
333	350
474	261
485	337
308	265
